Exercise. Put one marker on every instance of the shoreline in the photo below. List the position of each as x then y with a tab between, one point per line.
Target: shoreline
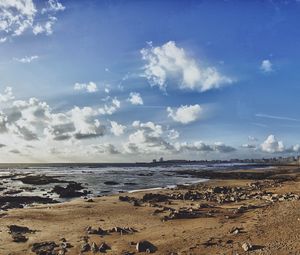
196	219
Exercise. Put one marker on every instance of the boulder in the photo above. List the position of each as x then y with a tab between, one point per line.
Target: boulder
145	246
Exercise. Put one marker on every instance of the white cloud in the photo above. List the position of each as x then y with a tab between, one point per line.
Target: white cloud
19	16
90	87
7	95
199	146
266	66
117	129
110	109
3	39
27	59
148	138
252	138
169	62
248	146
185	114
173	134
135	98
45	28
106	148
271	145
53	6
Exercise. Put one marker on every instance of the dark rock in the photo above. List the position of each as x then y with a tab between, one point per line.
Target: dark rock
104	247
85	247
19	238
9	202
44	248
19	229
151	197
145	246
72	190
39	180
111	183
99	231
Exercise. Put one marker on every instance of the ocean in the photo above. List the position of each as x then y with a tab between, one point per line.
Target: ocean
101	179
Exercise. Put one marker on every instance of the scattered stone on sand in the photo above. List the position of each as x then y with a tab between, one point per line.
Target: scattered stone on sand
134	201
247	246
187	213
85	247
93	231
104	247
44	248
94	247
235	230
10	202
145	246
18	233
123	231
155	197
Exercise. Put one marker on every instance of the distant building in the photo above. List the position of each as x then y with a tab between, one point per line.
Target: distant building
161	159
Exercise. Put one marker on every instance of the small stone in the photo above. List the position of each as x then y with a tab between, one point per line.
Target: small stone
247	246
103	247
85	247
94	247
145	246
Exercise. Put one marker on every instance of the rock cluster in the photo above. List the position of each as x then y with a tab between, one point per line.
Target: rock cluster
18	233
86	247
102	232
71	190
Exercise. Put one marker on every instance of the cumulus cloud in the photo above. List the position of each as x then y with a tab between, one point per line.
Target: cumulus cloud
200	146
18	16
135	98
85	123
45	28
147	138
272	145
3	39
106	148
27	59
252	138
173	134
266	66
90	87
7	95
248	146
33	120
185	114
169	62
117	129
110	109
53	6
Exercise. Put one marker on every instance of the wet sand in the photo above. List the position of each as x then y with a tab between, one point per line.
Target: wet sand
217	217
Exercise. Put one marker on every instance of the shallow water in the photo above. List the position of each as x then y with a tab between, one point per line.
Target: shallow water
127	178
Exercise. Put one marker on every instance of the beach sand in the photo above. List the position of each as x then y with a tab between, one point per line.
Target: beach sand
271	224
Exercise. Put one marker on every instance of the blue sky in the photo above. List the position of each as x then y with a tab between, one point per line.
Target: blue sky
134	80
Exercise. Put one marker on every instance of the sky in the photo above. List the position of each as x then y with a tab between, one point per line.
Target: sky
127	81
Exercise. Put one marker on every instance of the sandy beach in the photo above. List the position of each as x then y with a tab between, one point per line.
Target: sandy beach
238	215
